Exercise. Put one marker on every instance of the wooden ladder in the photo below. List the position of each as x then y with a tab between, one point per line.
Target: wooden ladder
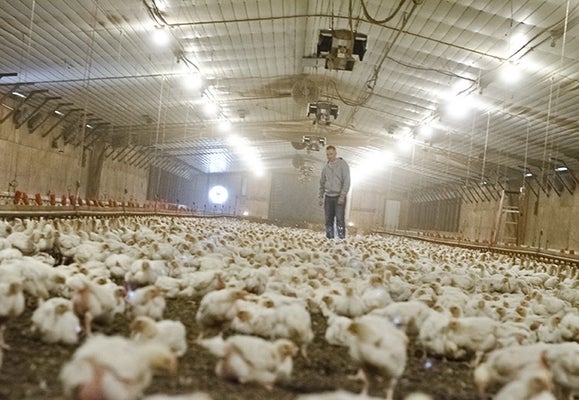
506	229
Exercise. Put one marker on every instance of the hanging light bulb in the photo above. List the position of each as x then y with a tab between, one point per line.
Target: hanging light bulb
161	36
511	72
426	130
224	125
211	108
194	81
459	107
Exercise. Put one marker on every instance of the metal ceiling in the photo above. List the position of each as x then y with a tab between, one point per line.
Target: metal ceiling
259	65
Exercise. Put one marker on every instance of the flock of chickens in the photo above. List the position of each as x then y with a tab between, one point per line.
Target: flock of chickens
258	286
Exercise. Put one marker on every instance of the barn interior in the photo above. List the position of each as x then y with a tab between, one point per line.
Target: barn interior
458	121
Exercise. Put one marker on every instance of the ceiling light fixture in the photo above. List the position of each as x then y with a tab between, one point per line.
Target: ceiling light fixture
459	107
323	110
211	108
339	46
194	81
224	125
426	130
161	36
19	94
511	72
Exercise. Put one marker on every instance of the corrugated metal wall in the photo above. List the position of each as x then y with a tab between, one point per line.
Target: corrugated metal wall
439	215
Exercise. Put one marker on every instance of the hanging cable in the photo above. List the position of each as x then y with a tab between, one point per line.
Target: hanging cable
525	160
482	174
155	13
86	89
370	83
158	129
22	78
468	162
381	21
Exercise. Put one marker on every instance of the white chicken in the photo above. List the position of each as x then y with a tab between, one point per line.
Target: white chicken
204	282
56	321
218	308
23	242
376	295
349	304
171	286
275	317
114	368
169	332
5	229
12	304
379	348
143	272
337	333
531	383
190	396
408	314
336	395
93	302
118	264
245	359
148	300
503	365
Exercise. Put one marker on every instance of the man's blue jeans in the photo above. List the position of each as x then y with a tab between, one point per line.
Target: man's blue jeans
337	212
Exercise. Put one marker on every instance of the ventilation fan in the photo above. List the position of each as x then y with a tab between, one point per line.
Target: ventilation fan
298	145
305	91
298	161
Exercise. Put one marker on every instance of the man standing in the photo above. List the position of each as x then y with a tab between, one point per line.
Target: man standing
334	186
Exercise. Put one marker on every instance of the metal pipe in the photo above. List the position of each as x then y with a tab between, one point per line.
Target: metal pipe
49	114
35	111
138	156
126	150
21	103
61	120
131	149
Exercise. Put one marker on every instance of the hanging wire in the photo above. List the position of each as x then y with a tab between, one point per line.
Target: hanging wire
371	82
526	154
29	43
381	21
482	174
158	129
554	145
547	133
86	89
331	7
155	13
25	59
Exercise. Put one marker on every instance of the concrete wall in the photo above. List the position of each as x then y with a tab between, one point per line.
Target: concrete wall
477	220
546	222
41	165
367	206
552	221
